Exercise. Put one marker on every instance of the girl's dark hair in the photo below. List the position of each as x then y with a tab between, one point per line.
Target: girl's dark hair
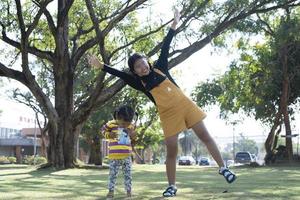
131	60
125	113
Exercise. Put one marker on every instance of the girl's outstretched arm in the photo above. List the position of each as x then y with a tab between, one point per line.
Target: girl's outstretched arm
127	78
162	62
176	19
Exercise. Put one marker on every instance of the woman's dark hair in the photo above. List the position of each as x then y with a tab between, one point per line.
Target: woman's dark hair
131	60
125	113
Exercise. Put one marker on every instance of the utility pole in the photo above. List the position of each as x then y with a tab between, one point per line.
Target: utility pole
185	143
298	146
234	123
233	140
233	143
77	148
34	147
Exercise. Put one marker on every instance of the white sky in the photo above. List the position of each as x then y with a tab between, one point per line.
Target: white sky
199	67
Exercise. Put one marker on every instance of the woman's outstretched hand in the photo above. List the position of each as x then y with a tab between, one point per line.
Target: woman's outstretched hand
176	18
94	62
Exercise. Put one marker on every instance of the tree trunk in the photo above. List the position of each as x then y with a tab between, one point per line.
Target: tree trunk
276	138
71	146
141	153
283	110
96	153
43	144
270	139
64	136
55	151
288	136
285	97
62	150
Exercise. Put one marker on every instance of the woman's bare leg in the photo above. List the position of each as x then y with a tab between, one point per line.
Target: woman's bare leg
172	149
202	133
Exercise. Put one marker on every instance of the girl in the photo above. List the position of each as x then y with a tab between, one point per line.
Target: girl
120	133
177	112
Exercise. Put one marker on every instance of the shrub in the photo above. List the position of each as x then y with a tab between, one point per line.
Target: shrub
31	160
79	162
105	160
4	160
12	160
28	160
39	160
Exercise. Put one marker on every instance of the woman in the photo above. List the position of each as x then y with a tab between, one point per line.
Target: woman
177	112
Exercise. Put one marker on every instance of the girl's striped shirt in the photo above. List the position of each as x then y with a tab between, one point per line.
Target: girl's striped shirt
117	150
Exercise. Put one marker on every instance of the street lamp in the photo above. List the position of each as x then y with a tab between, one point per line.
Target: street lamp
290	136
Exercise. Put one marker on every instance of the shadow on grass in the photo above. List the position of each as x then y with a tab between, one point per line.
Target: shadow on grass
9	166
58	184
150	181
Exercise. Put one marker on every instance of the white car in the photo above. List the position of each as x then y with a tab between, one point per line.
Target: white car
244	157
186	160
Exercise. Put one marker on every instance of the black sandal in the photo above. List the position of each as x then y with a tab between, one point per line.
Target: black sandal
170	191
228	175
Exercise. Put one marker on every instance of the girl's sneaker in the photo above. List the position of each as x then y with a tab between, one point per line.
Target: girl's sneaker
110	195
228	175
129	195
170	191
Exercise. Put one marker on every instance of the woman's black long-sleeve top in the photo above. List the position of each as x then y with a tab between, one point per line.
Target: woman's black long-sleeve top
153	78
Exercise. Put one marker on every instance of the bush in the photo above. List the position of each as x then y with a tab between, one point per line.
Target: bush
4	160
79	162
28	160
39	160
12	160
105	160
31	160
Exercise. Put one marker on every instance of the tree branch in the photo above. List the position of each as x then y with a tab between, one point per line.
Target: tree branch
126	3
96	100
13	74
50	21
99	33
63	11
26	99
20	17
139	38
33	50
83	48
227	22
33	87
111	24
37	17
268	28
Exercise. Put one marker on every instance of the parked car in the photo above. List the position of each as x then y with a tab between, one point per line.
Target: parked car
186	160
244	157
204	161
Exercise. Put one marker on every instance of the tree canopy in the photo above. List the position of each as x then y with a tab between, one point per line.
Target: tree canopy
60	39
264	81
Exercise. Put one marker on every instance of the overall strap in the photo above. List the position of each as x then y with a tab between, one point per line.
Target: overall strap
159	72
143	83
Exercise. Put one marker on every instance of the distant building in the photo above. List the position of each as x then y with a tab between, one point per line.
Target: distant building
15	140
20	144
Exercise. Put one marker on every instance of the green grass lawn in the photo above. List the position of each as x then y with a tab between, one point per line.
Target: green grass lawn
193	182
